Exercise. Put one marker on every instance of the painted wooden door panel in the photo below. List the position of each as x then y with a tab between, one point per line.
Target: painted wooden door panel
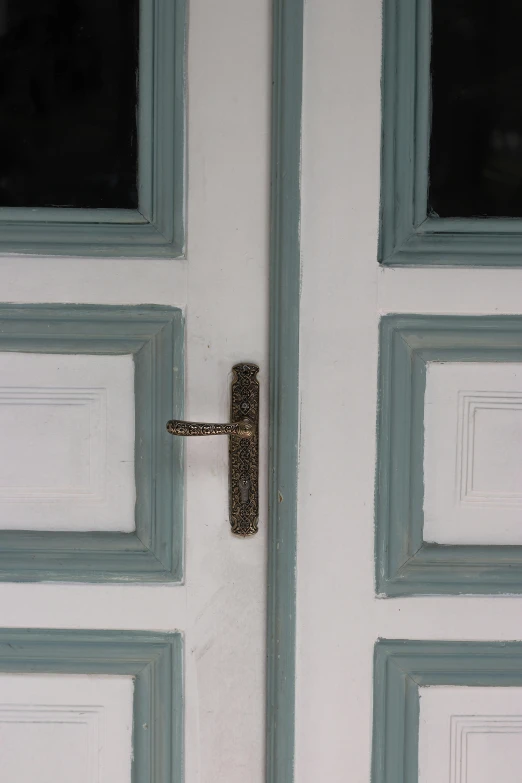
446	710
409	558
472	456
67	460
116	555
141	350
469	734
92	705
61	727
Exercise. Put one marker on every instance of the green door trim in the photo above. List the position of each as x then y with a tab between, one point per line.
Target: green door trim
409	234
406	564
402	667
153	660
156	228
154	336
284	379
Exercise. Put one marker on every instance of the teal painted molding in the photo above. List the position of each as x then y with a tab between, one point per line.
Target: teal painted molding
402	667
154	660
284	380
154	336
408	234
405	563
156	228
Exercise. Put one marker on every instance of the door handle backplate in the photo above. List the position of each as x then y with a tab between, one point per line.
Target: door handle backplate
243	449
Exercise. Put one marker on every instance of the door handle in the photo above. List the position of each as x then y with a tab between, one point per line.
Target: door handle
241	429
243	448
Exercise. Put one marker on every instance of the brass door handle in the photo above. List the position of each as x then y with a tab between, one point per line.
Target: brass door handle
243	448
241	429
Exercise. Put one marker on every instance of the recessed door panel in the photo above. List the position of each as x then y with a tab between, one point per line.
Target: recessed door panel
472	456
470	735
68	444
59	727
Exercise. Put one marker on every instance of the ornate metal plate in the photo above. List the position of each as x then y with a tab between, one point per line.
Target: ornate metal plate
244	452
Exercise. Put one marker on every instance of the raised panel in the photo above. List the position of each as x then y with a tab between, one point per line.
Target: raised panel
472	455
448	455
470	735
53	443
67	451
447	712
117	695
489	466
56	728
92	487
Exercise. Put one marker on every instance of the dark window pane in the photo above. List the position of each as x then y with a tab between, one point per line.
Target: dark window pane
68	98
476	138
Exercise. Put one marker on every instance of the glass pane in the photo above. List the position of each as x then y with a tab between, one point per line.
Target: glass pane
68	97
476	139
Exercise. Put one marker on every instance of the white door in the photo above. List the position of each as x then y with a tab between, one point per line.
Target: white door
411	536
157	670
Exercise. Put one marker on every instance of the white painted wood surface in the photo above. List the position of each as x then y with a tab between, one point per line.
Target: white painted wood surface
59	728
470	735
343	294
222	287
67	448
473	454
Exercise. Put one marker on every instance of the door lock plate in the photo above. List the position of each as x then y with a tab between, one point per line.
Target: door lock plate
244	452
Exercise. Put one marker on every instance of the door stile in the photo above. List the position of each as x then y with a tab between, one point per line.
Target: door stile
285	261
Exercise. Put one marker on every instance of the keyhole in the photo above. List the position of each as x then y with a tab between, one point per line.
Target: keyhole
244	489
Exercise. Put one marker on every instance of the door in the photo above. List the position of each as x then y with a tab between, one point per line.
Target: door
134	276
409	647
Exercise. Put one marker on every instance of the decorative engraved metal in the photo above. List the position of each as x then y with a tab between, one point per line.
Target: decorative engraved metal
243	429
243	447
244	452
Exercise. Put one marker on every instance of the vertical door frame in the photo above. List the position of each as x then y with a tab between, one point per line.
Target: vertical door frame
284	379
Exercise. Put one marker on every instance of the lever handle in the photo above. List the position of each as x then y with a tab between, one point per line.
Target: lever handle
243	447
241	429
